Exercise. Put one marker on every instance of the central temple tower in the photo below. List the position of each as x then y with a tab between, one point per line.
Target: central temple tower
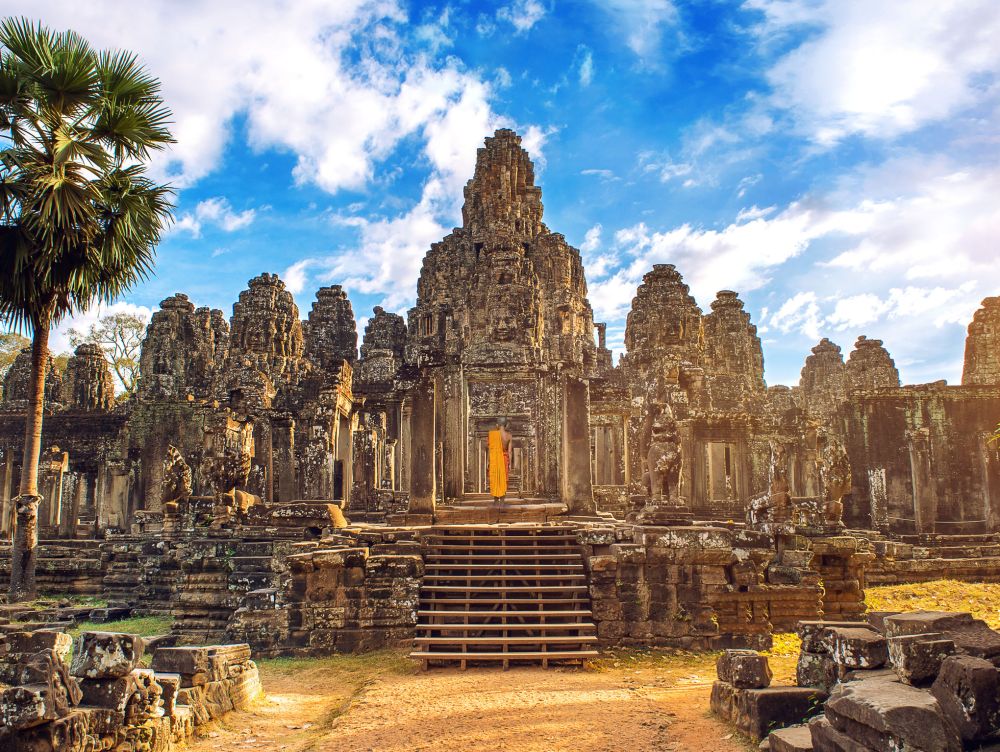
502	328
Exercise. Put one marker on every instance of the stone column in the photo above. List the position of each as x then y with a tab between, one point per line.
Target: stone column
405	444
578	489
52	467
453	407
6	484
284	458
423	487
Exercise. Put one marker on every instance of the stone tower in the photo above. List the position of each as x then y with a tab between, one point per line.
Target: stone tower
733	359
88	384
664	327
870	366
982	346
824	380
17	383
331	333
502	328
181	351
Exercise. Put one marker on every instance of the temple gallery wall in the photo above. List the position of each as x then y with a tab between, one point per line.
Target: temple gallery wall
272	481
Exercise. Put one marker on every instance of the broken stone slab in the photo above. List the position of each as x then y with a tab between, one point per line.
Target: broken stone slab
825	738
968	691
855	648
756	712
791	739
888	715
106	655
744	669
917	658
971	636
110	694
813	632
192	663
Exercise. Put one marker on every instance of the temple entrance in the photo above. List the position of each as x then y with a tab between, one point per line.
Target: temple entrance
521	480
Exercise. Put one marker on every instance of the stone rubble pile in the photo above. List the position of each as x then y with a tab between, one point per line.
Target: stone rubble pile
925	681
61	696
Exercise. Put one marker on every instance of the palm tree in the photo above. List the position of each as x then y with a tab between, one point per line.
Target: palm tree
79	218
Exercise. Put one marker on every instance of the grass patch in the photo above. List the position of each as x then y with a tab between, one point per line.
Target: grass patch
980	599
144	626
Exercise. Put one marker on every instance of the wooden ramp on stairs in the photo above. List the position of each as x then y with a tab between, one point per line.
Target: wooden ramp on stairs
504	594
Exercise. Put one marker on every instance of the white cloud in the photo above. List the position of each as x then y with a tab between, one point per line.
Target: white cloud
522	14
215	211
642	23
337	84
799	313
295	275
586	72
591	240
879	69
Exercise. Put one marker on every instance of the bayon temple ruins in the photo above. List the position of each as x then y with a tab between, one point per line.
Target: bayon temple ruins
276	481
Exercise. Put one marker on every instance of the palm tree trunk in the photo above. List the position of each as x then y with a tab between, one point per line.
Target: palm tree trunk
22	572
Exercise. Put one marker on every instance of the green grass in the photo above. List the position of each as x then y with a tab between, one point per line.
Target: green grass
144	626
377	662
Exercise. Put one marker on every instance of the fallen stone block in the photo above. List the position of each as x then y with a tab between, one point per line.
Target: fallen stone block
971	636
876	619
103	615
757	712
825	738
791	739
192	663
888	715
106	655
917	658
744	669
968	691
814	632
110	694
855	648
816	670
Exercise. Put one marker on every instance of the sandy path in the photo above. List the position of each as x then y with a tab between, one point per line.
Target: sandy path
352	705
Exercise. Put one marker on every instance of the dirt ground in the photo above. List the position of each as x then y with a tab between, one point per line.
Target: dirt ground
382	703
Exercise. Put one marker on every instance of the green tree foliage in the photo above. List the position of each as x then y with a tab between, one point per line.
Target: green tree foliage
79	218
120	336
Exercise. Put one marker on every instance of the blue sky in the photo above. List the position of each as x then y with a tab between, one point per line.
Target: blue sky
835	162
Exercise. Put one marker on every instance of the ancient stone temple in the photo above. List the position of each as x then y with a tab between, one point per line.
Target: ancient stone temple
272	483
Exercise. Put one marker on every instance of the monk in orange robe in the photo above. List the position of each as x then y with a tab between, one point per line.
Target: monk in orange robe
498	459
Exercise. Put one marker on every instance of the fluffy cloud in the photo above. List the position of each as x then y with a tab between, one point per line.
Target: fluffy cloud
59	336
586	70
337	84
643	24
213	211
879	69
522	14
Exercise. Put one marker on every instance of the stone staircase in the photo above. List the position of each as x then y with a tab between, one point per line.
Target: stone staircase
503	594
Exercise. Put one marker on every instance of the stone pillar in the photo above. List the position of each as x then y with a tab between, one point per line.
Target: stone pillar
405	444
54	463
422	448
284	458
453	435
578	489
100	492
6	485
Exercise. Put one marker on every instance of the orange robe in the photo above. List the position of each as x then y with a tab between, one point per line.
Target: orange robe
497	465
